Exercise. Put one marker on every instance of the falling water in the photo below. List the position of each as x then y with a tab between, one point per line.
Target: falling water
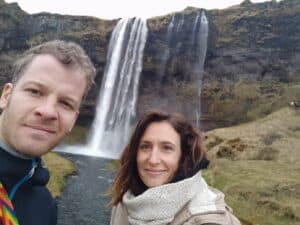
118	95
166	52
201	47
180	24
196	24
179	28
194	49
173	31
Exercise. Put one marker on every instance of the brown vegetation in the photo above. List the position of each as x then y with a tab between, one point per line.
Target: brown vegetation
257	165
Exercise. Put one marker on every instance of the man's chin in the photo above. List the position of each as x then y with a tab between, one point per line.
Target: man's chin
34	151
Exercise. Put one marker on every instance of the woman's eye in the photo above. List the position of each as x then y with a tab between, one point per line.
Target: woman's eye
144	147
167	148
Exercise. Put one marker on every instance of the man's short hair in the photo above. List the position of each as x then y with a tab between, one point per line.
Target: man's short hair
69	54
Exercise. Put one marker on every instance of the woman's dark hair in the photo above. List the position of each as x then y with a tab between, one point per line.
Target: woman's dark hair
193	157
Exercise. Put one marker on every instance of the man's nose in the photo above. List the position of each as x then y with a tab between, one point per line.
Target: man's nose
47	109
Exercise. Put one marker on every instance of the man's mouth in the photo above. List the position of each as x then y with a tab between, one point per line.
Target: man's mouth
42	128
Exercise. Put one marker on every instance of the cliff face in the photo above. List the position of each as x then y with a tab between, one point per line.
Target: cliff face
19	31
251	68
253	60
252	64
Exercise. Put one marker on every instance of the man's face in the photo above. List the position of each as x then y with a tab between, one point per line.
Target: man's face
41	107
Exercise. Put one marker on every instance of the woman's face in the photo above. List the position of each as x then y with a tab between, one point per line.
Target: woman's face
158	154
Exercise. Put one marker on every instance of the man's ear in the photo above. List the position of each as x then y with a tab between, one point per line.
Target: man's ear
6	93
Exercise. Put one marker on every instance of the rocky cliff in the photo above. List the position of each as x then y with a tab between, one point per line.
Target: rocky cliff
251	69
252	64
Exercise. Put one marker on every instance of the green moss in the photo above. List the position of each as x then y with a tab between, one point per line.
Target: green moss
249	188
78	135
59	168
247	101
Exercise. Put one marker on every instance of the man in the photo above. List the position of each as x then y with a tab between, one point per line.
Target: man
39	108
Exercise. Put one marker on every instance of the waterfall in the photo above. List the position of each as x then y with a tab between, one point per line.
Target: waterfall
119	91
200	42
179	29
117	99
166	52
191	46
173	30
196	24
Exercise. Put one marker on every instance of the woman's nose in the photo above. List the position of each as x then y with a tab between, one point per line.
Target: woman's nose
154	157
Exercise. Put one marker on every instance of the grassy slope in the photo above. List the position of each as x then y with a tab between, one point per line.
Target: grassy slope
59	169
257	165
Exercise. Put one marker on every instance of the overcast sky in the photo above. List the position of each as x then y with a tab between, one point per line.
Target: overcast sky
110	9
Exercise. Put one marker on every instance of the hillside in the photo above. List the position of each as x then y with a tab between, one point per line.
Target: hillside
257	165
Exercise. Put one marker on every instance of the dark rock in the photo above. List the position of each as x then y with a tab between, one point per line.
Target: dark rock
252	65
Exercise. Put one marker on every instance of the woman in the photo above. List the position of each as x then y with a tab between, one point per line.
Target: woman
159	180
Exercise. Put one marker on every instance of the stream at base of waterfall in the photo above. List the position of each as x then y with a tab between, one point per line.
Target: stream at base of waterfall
83	201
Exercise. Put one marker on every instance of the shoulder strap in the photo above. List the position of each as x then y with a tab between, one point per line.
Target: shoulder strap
7	212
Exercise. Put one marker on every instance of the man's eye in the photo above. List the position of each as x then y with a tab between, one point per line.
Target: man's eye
67	105
34	92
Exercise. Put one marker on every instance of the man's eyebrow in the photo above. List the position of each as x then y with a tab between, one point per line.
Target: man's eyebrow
32	82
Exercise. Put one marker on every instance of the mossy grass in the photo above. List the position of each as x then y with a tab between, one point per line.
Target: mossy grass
59	168
262	187
78	135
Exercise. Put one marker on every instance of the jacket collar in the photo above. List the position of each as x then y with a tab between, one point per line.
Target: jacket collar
14	168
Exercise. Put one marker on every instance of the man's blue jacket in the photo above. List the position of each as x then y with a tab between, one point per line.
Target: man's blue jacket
32	201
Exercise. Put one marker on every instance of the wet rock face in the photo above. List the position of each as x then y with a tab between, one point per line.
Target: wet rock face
251	69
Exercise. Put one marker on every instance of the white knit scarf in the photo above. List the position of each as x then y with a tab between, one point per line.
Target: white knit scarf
159	205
